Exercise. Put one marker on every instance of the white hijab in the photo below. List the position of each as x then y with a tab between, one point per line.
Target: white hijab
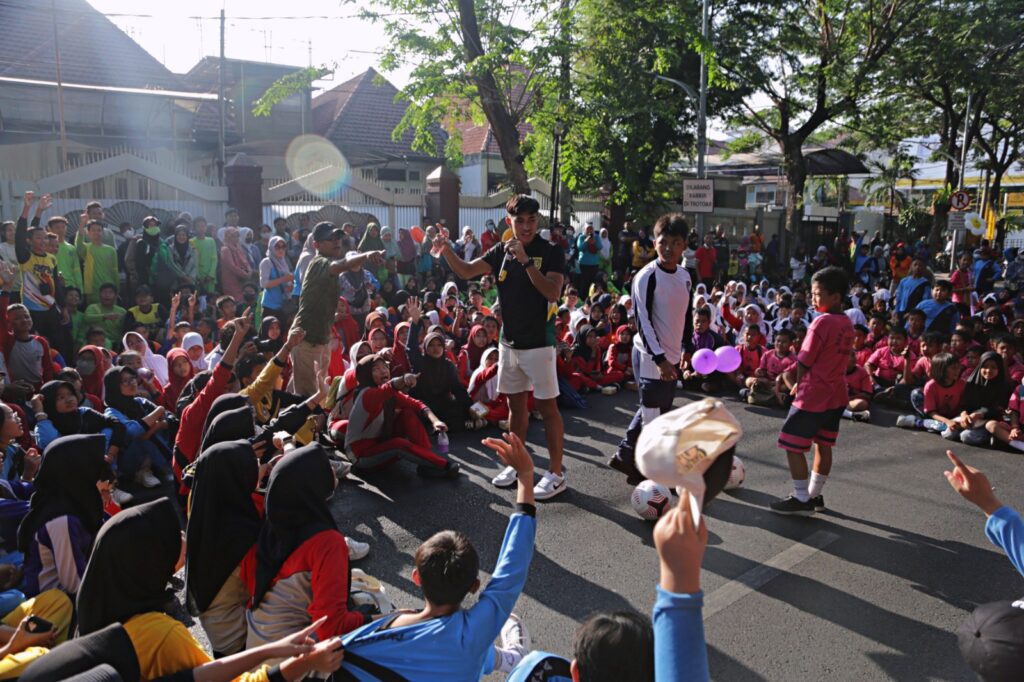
191	340
156	363
487	391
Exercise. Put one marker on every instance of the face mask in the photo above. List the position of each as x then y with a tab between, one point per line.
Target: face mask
85	366
152	231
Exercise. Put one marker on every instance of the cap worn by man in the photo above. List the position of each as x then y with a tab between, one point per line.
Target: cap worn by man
325	232
992	641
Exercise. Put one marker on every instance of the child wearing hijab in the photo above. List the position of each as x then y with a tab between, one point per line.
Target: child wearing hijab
619	359
157	364
298	572
57	414
584	369
472	352
147	454
180	372
65	515
193	344
223	525
133	559
438	386
986	397
385	424
483	390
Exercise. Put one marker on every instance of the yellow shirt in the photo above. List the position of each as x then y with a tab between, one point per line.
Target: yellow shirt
165	646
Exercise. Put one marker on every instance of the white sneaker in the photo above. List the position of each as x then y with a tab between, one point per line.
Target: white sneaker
538	415
147	479
908	421
506	479
120	497
515	636
356	550
609	390
549	486
503	425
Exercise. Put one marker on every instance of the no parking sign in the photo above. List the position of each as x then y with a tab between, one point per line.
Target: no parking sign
960	200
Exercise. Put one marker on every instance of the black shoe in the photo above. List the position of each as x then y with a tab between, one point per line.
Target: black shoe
819	503
450	470
633	475
793	507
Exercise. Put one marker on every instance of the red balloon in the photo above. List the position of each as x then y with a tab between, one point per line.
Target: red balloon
418	234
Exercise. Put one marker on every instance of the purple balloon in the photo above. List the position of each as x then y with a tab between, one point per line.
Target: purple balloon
705	361
729	359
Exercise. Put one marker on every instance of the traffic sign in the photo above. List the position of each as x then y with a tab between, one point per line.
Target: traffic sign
698	196
957	221
960	200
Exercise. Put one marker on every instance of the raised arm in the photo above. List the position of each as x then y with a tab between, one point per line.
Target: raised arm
463	270
375	258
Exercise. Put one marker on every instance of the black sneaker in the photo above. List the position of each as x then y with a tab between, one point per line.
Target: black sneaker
793	507
819	503
633	475
450	470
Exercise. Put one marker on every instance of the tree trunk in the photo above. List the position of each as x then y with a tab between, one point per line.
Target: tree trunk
503	125
796	176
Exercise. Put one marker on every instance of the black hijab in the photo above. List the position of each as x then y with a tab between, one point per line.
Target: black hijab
264	343
236	424
191	390
222	404
434	372
129	407
223	523
132	561
66	486
364	370
296	510
580	349
992	396
66	424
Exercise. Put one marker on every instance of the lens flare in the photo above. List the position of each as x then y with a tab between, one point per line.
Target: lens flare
318	166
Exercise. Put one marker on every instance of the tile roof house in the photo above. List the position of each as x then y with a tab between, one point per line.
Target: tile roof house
482	168
359	115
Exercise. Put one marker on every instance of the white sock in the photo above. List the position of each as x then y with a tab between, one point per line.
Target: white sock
800	490
817	483
506	659
847	414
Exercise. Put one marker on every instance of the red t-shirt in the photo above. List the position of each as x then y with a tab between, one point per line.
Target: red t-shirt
888	365
960	279
1016	405
944	400
706	258
751	359
825	354
858	381
921	370
773	365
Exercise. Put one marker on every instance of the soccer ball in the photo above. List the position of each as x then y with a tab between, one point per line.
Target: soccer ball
650	500
737	475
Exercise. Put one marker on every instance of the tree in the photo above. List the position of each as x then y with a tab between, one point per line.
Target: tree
1001	139
473	61
813	61
625	127
883	186
953	52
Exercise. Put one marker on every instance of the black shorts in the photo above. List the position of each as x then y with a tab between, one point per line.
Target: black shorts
802	429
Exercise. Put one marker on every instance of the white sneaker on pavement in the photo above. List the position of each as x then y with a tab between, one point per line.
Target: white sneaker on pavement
357	550
515	643
146	478
506	479
120	497
549	486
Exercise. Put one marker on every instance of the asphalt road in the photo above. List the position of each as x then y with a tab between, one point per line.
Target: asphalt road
873	589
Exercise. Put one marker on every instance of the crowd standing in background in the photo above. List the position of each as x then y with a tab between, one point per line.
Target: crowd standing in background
223	378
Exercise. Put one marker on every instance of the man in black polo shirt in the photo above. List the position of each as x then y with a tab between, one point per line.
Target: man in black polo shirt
529	272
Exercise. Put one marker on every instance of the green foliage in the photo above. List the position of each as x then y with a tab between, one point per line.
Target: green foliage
882	187
286	86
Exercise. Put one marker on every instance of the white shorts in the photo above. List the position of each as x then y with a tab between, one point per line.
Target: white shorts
534	370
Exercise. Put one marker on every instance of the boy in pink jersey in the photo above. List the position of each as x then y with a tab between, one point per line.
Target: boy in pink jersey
765	386
820	394
860	388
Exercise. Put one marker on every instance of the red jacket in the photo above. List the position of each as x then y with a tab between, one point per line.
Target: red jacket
325	557
190	430
488	239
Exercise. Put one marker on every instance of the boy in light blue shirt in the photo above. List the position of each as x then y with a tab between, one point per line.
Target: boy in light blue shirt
443	641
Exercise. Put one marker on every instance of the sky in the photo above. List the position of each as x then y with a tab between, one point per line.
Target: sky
179	34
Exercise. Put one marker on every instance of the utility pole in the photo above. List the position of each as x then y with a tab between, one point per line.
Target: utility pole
554	174
702	115
221	161
60	90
